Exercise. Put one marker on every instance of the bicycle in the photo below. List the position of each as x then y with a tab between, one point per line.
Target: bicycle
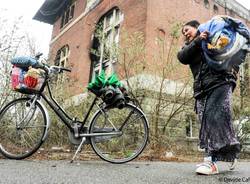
117	135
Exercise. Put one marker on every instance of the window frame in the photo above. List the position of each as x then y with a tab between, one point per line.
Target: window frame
215	9
61	60
68	15
90	5
109	24
206	4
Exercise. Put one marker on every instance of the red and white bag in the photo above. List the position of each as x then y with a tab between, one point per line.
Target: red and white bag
27	80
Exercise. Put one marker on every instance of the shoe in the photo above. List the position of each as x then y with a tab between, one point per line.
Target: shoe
233	164
207	168
205	160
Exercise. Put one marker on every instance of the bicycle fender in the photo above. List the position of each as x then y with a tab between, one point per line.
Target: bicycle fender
47	120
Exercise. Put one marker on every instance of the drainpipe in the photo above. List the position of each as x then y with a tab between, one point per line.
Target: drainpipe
225	6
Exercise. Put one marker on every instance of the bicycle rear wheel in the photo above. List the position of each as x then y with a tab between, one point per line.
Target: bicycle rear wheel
132	133
22	128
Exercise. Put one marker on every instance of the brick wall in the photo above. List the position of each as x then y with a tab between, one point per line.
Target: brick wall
151	17
164	14
78	37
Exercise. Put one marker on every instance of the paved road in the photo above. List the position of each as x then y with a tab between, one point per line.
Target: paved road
86	172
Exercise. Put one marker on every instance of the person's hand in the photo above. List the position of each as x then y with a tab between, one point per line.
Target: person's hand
203	35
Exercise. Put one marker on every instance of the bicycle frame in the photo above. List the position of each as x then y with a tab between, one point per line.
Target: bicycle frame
60	112
67	120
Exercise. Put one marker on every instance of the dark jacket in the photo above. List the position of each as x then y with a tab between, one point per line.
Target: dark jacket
205	79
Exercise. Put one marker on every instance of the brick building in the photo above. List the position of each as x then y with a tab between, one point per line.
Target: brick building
75	22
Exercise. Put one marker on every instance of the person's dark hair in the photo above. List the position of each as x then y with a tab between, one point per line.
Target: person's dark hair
192	23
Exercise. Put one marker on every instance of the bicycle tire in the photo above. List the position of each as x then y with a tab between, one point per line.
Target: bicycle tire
14	135
122	148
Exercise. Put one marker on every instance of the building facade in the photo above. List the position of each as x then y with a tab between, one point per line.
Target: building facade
85	32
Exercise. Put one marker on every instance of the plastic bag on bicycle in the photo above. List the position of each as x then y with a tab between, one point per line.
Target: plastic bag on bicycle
27	81
113	96
24	62
110	90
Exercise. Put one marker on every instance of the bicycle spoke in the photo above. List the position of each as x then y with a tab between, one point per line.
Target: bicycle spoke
128	145
31	138
25	142
23	128
112	124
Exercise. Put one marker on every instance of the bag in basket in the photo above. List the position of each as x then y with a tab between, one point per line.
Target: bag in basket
27	81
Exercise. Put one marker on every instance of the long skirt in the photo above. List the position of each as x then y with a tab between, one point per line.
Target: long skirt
217	135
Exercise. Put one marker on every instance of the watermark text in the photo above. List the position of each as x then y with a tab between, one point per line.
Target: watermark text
235	179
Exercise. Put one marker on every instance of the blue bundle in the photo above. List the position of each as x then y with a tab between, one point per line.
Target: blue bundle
227	36
24	62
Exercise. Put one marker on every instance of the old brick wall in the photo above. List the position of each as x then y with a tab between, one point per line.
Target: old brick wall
162	15
78	37
153	18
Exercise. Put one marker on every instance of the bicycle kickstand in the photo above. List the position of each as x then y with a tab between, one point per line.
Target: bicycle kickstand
78	149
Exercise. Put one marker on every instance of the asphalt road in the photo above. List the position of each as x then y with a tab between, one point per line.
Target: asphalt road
90	172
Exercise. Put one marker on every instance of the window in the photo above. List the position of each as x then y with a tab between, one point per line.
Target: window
105	42
91	4
68	14
206	4
197	1
216	9
62	60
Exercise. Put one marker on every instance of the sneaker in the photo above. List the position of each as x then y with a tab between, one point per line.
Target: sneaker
205	160
233	164
207	168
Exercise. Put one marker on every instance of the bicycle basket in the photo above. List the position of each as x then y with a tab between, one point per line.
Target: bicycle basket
27	81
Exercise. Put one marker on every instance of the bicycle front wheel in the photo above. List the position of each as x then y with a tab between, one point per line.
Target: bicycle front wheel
131	127
22	128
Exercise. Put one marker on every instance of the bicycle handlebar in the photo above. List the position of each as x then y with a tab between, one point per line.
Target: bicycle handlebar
65	69
49	70
52	69
38	55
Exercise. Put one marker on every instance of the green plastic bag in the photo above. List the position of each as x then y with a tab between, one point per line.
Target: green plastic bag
101	82
114	81
98	82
